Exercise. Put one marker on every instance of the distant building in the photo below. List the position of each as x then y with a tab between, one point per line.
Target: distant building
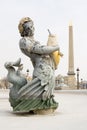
83	84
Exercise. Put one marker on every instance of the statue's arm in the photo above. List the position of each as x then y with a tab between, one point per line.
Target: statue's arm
39	49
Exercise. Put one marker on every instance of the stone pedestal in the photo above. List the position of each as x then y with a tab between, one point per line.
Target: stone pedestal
44	112
71	82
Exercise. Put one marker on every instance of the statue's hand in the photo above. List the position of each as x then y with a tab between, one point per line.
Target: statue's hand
60	53
56	46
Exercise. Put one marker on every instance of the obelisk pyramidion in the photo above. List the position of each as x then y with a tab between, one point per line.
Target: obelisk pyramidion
71	73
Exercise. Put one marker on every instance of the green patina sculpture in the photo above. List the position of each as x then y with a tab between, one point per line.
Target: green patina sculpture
36	95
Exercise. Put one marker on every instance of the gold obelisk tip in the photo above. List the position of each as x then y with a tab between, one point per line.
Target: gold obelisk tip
70	23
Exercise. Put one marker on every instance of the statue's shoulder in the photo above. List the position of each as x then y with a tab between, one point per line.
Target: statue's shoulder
23	40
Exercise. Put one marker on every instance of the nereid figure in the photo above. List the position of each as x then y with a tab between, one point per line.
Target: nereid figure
36	95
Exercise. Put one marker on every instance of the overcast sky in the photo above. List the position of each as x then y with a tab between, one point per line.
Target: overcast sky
52	14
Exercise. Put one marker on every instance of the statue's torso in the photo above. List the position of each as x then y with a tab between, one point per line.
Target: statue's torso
43	64
35	58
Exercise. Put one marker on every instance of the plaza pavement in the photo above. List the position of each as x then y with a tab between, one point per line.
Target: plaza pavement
70	115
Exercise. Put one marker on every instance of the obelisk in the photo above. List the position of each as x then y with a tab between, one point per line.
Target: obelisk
71	73
71	53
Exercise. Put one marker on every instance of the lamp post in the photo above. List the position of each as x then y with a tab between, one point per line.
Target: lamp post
81	83
77	77
27	73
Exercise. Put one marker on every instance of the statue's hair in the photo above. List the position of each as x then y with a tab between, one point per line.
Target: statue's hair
22	21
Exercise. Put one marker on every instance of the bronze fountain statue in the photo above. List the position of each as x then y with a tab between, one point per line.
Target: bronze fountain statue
37	95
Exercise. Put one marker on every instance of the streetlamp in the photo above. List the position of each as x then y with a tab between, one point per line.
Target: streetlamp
77	77
27	73
81	83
